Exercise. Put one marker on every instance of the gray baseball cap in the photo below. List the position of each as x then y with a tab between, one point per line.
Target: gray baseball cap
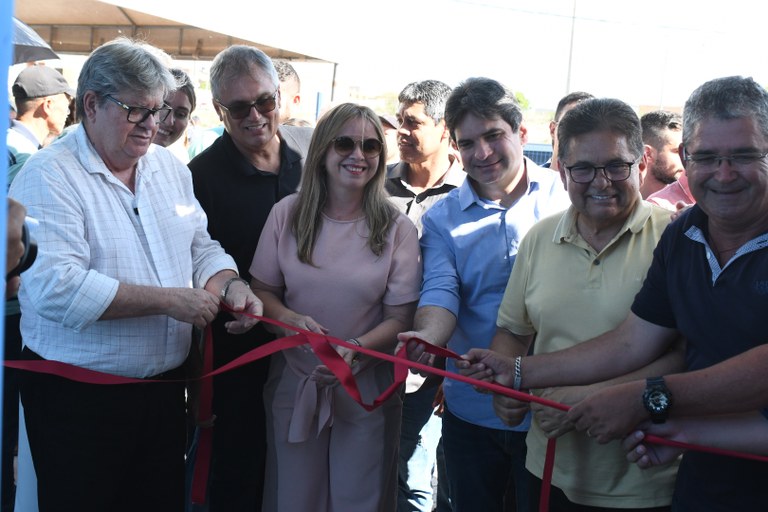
40	81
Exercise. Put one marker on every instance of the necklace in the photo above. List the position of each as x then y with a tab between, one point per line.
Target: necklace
719	251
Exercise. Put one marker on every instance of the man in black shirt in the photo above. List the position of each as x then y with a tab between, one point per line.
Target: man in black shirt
255	163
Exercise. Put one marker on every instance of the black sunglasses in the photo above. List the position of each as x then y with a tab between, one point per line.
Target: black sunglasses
344	146
241	109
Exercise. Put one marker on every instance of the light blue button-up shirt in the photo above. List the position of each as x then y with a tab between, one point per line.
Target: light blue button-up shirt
468	247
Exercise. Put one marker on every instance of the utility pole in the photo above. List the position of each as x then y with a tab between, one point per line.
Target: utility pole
570	51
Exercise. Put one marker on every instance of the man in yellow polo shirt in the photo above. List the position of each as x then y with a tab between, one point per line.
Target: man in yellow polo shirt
575	276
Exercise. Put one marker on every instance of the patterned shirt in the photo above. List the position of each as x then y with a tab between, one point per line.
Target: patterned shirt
93	234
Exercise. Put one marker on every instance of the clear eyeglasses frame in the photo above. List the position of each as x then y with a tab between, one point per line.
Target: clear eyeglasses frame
709	162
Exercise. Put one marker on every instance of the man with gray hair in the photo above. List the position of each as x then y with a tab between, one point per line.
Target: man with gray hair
125	269
469	241
707	282
237	179
428	169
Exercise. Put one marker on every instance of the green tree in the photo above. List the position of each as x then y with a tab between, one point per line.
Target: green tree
524	103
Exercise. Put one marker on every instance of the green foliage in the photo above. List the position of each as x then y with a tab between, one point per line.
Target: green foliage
524	103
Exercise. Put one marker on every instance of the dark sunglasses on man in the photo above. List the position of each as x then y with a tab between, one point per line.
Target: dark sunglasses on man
241	109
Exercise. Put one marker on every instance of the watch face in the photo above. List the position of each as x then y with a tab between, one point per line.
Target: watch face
658	400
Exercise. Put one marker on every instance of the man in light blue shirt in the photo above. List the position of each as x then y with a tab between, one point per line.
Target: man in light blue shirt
469	243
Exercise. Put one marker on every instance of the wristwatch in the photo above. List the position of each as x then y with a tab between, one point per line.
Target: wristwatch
657	399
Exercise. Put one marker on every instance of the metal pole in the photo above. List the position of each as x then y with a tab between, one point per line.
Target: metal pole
570	51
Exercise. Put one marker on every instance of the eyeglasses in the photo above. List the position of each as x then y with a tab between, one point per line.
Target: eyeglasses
241	109
344	146
708	162
138	115
617	171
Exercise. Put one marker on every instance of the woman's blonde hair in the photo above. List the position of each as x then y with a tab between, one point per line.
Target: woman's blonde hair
307	214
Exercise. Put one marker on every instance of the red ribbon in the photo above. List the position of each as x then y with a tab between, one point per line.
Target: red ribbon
322	346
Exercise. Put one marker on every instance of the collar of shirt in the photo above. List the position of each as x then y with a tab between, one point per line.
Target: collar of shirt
469	196
566	231
454	177
87	153
696	221
22	129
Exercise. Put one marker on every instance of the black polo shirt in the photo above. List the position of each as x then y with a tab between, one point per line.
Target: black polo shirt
721	315
237	197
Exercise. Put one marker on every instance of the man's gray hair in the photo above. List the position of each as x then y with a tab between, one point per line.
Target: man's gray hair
726	98
432	93
123	65
236	61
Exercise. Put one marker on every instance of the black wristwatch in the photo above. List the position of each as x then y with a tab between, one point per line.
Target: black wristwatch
657	399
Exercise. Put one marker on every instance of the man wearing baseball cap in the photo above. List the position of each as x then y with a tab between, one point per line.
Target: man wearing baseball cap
42	97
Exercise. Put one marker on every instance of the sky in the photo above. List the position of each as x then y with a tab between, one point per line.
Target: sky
649	53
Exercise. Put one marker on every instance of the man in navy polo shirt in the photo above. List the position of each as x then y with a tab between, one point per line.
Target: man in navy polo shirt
709	282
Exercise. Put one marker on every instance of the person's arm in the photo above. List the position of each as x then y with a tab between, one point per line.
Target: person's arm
272	298
383	337
242	303
735	385
510	410
747	432
435	320
191	305
432	324
14	244
632	345
718	389
611	413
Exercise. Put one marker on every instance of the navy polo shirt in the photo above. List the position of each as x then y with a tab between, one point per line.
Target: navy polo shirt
720	312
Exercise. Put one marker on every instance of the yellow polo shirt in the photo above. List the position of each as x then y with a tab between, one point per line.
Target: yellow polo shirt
565	292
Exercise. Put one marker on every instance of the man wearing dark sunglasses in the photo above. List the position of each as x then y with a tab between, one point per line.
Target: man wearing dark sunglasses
255	163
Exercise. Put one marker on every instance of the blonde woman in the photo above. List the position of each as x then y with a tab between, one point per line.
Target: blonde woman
336	258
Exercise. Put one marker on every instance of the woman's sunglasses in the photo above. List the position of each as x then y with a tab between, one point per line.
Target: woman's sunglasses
344	146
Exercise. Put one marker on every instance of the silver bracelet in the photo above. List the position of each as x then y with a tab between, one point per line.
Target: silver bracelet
518	373
231	280
355	341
